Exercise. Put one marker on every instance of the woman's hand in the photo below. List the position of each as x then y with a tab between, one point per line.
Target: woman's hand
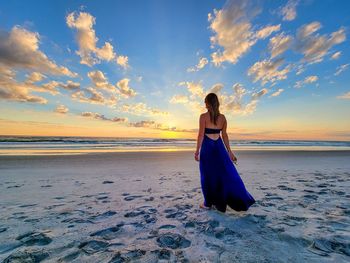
233	157
196	156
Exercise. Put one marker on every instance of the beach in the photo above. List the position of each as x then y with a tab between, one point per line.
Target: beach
144	207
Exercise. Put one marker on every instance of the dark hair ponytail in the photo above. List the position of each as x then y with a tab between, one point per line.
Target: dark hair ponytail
213	107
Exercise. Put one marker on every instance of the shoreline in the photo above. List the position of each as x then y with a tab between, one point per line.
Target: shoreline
120	151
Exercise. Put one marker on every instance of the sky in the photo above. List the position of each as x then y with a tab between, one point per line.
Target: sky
143	68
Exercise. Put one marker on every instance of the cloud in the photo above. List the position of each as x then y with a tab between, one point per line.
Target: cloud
233	31
141	108
21	90
88	51
345	96
99	116
195	100
279	44
151	124
124	88
144	124
341	68
235	103
216	88
61	109
307	80
19	49
158	126
268	71
251	106
50	87
35	77
336	55
239	102
277	93
12	90
17	93
53	85
98	78
179	99
69	85
314	46
91	95
100	81
123	61
257	95
310	79
201	64
288	12
267	31
195	88
300	69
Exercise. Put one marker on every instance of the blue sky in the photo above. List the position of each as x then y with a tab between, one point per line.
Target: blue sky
153	83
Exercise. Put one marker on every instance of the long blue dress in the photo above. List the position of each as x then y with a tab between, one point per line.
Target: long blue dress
221	183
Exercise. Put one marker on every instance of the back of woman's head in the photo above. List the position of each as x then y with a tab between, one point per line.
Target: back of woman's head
213	104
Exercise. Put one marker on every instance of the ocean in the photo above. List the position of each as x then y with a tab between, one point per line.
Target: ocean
32	145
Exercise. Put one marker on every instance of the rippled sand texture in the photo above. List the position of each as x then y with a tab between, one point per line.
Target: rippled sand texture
143	207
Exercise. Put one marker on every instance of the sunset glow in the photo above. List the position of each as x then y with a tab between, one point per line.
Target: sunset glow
142	69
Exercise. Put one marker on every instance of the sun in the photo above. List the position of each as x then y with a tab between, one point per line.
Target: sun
170	134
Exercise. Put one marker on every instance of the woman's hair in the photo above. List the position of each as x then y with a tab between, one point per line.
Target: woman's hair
213	106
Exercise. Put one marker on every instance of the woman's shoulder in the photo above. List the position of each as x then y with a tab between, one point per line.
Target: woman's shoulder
203	115
222	116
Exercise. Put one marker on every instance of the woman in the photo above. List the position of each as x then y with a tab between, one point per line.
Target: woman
221	183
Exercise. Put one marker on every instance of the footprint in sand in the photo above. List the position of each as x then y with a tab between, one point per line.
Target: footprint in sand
166	196
129	256
27	256
214	247
148	214
132	197
325	246
46	186
28	205
107	182
59	197
104	215
206	227
70	257
175	214
173	241
34	239
15	186
32	220
310	196
6	247
93	246
223	232
286	188
162	254
149	199
167	227
77	220
108	233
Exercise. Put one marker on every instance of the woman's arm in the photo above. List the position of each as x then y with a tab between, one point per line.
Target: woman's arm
200	135
225	136
227	142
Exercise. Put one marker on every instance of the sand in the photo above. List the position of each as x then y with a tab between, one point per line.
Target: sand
143	207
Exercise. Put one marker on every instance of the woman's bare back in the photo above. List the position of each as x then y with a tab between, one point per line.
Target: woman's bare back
219	125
